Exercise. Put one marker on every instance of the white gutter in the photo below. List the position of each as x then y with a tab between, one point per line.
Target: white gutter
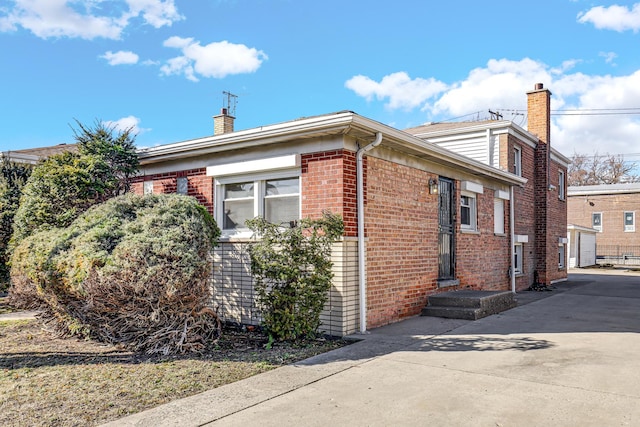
362	280
513	238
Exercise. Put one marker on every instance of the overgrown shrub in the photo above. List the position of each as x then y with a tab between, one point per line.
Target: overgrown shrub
133	271
67	184
292	270
13	177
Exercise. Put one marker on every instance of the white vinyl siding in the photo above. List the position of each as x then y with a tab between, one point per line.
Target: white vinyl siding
476	147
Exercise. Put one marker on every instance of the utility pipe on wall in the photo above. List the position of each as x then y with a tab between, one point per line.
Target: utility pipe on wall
362	280
513	237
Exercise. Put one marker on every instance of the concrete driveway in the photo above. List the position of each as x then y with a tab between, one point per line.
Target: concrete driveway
569	357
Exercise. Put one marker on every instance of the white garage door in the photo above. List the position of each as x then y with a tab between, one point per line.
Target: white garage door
587	249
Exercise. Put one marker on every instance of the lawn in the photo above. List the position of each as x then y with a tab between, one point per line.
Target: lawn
47	381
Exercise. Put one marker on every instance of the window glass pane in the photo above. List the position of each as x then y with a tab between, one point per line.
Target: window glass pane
148	187
236	212
498	216
465	216
281	210
518	258
628	218
597	219
182	185
238	190
276	187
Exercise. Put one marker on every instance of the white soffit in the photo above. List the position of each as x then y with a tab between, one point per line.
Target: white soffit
272	163
472	187
521	238
502	194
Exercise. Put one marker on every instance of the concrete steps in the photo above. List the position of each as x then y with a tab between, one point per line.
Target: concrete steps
469	305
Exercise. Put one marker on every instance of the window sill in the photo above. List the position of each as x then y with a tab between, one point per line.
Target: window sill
500	234
448	283
469	232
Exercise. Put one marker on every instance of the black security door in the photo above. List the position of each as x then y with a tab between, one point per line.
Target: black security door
446	228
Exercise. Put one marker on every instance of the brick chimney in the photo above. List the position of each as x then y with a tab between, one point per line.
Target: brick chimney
539	113
223	123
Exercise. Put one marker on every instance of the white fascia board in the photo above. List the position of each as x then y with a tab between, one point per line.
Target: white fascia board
558	157
268	164
478	128
472	187
332	123
581	228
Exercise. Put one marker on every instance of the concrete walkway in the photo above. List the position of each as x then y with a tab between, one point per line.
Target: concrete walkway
566	357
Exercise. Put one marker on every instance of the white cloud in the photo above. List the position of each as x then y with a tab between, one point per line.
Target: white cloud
217	60
86	20
502	85
615	17
609	57
401	91
121	57
131	123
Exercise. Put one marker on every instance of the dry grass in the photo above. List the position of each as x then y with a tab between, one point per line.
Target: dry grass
47	381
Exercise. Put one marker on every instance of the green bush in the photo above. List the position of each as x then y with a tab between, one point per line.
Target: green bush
67	184
292	271
133	271
13	177
58	190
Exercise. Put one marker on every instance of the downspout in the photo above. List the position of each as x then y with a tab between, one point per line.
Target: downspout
513	238
362	280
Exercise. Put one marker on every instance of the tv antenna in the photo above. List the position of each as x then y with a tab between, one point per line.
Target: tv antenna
495	115
231	103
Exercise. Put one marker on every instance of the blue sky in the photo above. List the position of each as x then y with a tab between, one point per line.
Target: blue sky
161	65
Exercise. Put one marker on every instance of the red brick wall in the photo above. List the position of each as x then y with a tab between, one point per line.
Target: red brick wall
329	183
483	259
612	207
525	210
200	185
402	244
402	241
557	225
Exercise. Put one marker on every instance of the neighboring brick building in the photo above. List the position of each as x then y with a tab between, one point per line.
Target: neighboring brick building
432	219
611	209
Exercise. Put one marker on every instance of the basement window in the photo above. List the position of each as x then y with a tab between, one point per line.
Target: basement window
517	258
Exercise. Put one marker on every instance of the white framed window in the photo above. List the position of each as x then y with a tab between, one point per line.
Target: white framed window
518	258
276	197
517	161
596	221
561	185
468	212
147	187
629	222
561	256
498	216
182	185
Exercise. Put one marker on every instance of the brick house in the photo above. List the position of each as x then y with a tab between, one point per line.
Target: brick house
433	219
611	210
540	206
